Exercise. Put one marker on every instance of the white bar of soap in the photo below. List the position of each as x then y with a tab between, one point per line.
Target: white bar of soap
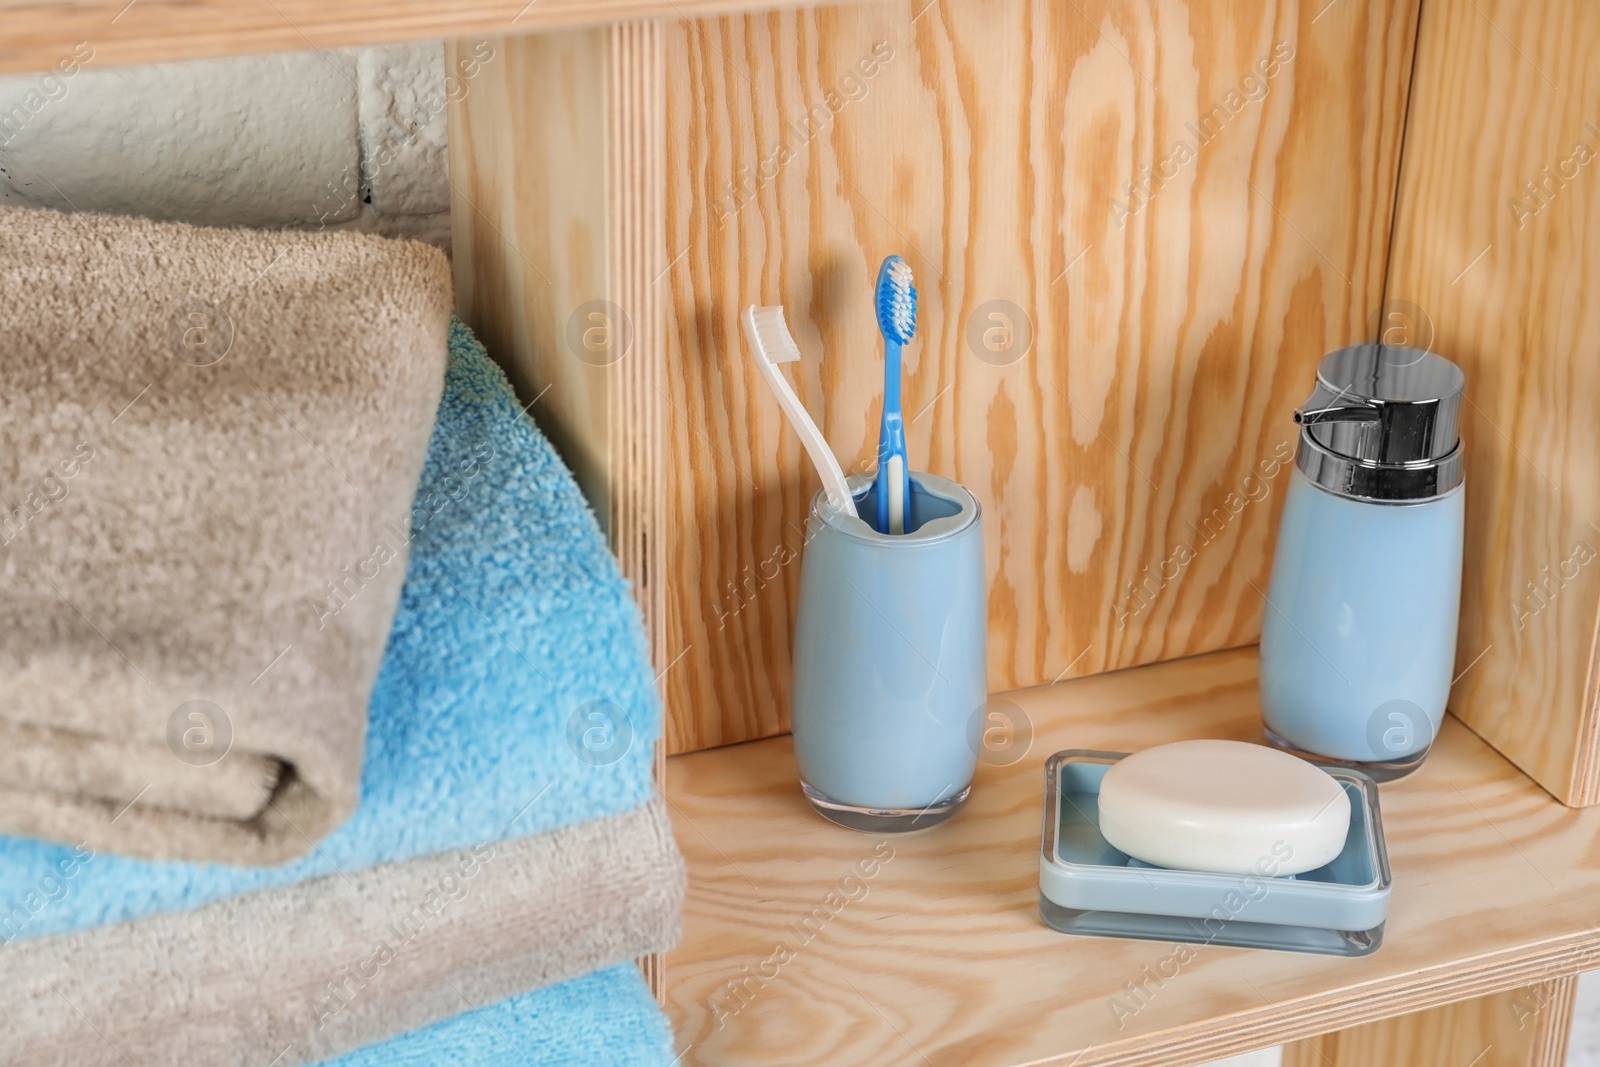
1223	806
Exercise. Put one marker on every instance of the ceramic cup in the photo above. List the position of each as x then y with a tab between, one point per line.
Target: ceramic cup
890	658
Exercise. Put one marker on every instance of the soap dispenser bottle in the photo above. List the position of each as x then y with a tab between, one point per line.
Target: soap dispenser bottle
1359	633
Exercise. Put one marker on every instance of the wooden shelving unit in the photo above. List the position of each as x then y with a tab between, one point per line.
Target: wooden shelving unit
617	154
942	959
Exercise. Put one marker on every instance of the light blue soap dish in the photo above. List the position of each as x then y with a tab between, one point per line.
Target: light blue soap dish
1088	887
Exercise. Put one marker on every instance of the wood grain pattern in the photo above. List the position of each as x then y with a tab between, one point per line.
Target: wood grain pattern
556	179
556	163
531	236
35	34
1504	276
1524	1027
1552	1025
636	184
1172	332
944	961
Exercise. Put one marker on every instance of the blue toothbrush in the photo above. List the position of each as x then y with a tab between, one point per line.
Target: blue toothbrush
896	304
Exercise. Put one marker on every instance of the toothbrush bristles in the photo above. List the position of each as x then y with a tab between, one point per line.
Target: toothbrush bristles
897	301
775	336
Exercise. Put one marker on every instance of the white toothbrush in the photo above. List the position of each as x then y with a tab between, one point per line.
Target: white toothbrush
772	344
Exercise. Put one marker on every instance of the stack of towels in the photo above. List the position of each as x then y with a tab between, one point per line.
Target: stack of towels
328	725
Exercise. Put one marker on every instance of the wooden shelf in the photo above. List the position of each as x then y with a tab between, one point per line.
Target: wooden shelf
944	961
36	34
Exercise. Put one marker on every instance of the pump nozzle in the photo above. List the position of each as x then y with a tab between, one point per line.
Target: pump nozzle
1326	405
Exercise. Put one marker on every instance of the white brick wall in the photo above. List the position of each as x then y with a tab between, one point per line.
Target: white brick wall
403	130
304	140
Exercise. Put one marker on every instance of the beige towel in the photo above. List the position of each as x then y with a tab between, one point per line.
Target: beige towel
203	436
301	974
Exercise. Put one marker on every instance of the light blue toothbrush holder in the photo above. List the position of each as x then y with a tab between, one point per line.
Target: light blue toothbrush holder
890	658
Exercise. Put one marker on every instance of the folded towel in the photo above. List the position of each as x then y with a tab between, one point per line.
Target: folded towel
515	697
203	436
296	975
607	1017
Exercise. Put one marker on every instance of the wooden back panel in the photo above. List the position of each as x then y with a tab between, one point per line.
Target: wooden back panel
1500	276
556	209
1128	446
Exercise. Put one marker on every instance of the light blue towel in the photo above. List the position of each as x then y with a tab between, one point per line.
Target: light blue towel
515	695
607	1017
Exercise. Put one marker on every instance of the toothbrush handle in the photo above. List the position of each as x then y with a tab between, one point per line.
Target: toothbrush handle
894	496
833	480
894	492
